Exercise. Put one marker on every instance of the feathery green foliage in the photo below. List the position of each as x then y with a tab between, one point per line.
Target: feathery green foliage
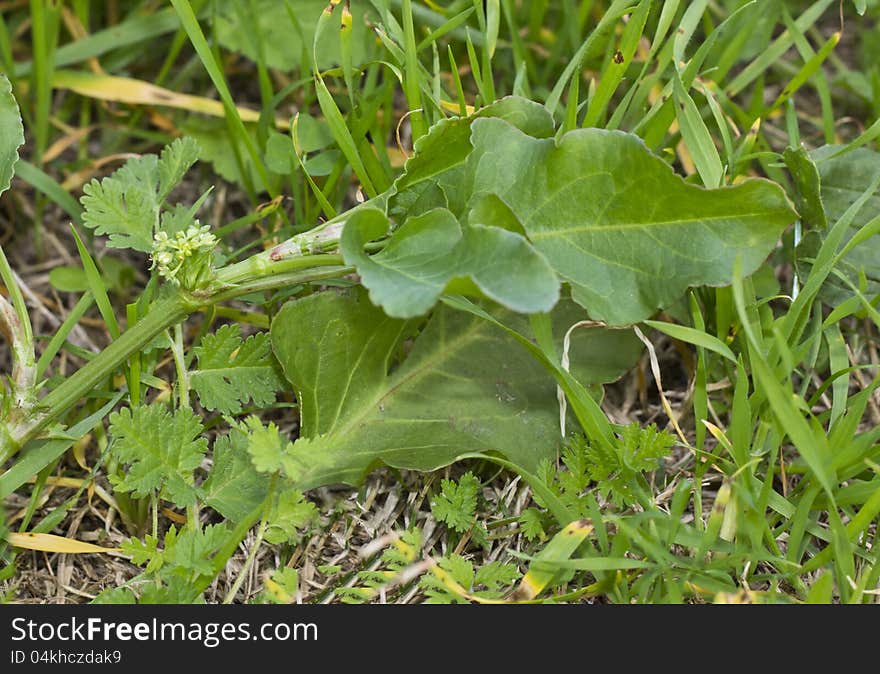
127	206
161	450
233	371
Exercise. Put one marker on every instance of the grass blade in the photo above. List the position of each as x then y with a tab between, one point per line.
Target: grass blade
96	285
542	570
42	453
805	74
617	66
411	74
137	92
46	184
812	446
697	137
60	335
342	135
197	37
617	9
695	337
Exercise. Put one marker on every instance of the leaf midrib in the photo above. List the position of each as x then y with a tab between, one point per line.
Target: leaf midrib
645	225
354	368
442	352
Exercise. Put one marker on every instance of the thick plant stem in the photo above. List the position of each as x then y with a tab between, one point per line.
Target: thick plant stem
301	251
164	313
252	275
15	325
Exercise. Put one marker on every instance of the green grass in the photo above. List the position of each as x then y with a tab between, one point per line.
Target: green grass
735	460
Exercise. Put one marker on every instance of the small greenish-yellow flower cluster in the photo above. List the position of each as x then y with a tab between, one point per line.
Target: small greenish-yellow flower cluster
185	259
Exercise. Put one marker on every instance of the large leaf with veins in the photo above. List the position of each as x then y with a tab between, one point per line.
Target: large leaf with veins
464	386
433	252
616	222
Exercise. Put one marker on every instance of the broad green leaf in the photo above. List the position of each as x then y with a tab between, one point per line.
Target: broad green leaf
628	234
490	210
447	146
161	449
335	350
598	355
11	133
312	133
279	153
465	386
431	250
232	371
844	179
322	164
585	408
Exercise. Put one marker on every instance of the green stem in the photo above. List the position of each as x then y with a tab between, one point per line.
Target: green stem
252	275
180	366
282	281
165	313
8	278
192	516
249	562
15	324
238	535
154	502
